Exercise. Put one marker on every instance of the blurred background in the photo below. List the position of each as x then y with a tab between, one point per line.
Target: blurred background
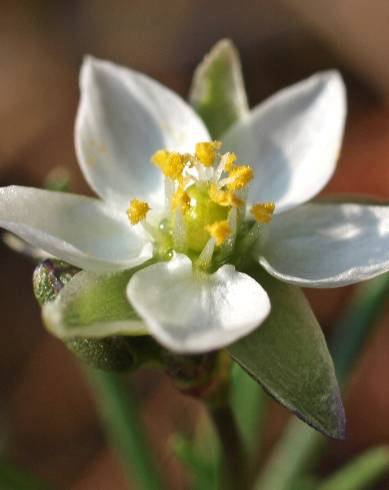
51	425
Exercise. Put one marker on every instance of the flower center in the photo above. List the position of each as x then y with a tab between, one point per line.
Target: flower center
206	196
200	215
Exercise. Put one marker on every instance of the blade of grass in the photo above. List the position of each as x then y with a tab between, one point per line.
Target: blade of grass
124	428
202	471
248	403
356	323
232	456
362	472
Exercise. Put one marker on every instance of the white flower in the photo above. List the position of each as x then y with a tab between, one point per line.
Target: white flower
197	301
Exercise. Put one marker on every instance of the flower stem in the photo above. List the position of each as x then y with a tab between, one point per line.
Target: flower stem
233	467
124	428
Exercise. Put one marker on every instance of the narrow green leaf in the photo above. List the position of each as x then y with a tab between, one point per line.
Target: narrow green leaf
306	483
355	324
217	92
294	454
248	404
288	355
93	305
361	473
201	469
124	428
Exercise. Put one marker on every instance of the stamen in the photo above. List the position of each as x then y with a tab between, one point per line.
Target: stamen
219	231
263	212
225	165
171	163
180	199
137	211
239	177
170	187
229	161
179	232
205	258
206	152
224	198
229	244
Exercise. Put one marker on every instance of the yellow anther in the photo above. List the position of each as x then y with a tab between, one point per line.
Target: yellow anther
219	231
206	152
188	158
263	212
230	159
171	163
224	198
137	211
239	177
180	199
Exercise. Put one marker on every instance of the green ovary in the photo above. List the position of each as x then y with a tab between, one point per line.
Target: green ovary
202	212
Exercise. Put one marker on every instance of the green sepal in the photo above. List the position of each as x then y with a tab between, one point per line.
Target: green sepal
70	297
217	92
95	306
49	277
116	353
288	356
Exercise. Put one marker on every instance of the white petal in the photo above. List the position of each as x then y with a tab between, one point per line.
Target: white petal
292	140
197	312
123	118
82	231
328	245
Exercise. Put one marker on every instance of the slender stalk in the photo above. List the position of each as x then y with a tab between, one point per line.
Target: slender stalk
124	428
300	446
297	450
233	467
248	403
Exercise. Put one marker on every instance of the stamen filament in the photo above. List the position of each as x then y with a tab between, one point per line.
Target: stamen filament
179	232
229	244
204	260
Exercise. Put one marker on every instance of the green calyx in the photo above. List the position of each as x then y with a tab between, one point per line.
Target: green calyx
112	353
49	277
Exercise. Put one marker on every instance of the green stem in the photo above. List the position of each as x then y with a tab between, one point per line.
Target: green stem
248	403
124	428
300	446
232	451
